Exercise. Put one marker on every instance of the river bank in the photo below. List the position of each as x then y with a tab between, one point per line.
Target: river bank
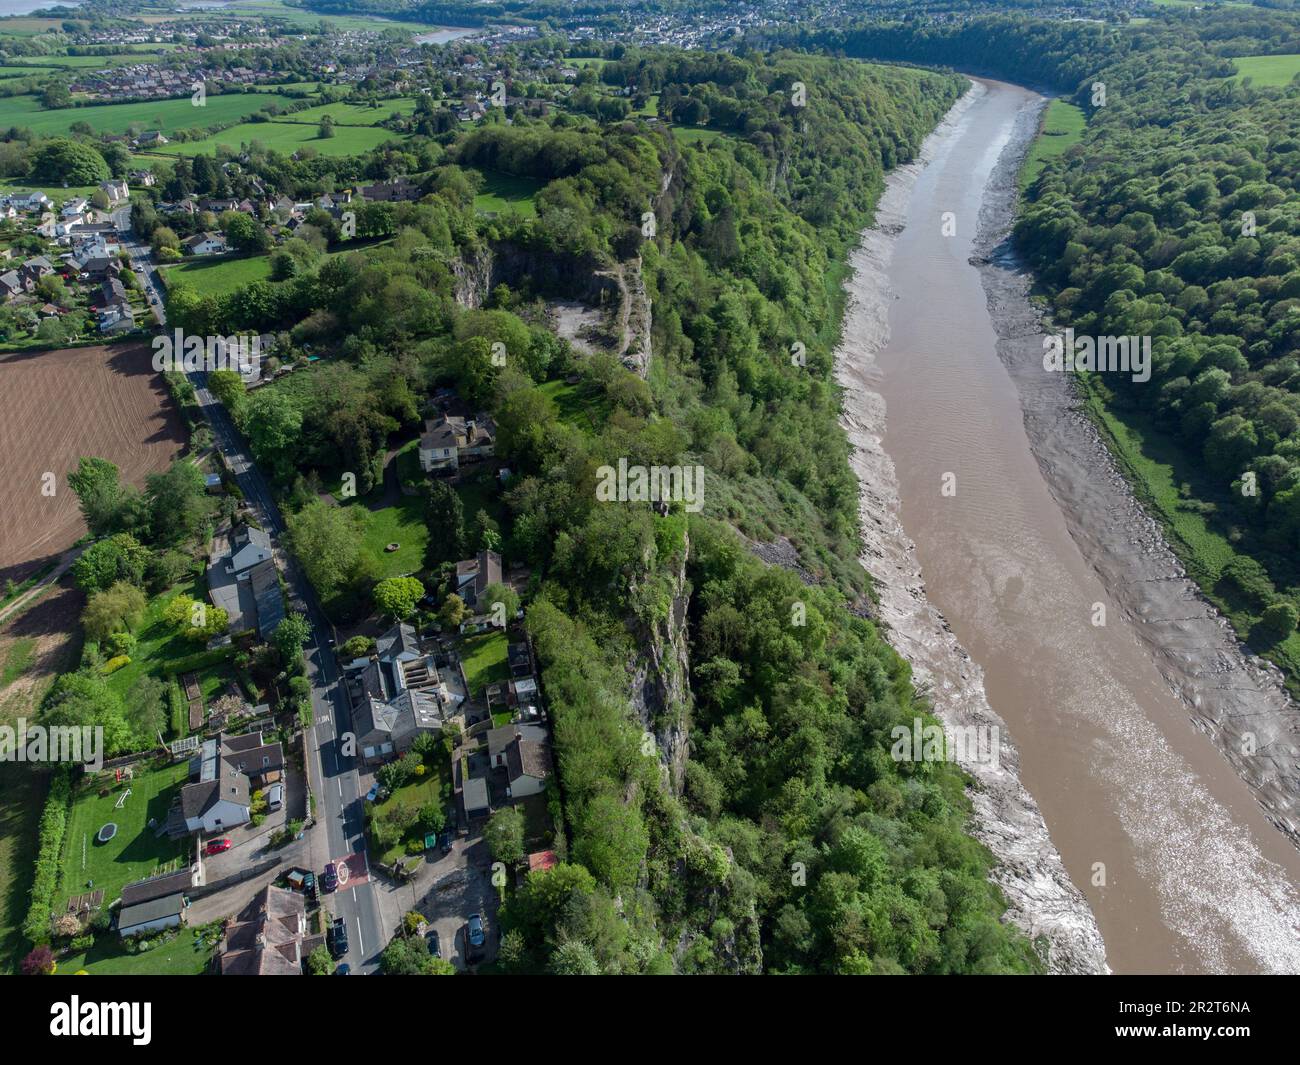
1043	901
1049	605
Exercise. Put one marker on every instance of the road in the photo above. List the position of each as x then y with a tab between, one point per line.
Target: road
340	827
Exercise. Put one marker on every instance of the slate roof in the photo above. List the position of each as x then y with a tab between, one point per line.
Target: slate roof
156	887
153	910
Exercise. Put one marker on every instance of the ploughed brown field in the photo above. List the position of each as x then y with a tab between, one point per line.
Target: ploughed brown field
56	406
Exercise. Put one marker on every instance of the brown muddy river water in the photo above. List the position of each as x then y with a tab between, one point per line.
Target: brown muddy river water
1173	852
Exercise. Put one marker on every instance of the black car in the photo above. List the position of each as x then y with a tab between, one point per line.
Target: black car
344	969
337	937
309	886
329	879
435	944
444	841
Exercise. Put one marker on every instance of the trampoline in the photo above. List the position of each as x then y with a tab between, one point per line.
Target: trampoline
107	832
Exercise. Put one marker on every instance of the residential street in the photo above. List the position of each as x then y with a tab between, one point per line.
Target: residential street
339	828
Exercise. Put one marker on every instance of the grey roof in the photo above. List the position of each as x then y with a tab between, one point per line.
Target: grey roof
157	887
528	758
476	794
269	602
153	910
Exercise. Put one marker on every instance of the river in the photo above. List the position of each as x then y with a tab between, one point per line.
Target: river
998	531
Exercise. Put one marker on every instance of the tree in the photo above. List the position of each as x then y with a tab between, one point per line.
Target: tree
228	387
1279	620
274	430
117	608
60	159
164	238
179	506
397	597
445	516
118	558
319	962
290	636
100	493
194	620
40	962
499	601
146	707
406	957
328	543
356	647
453	613
505	835
84	700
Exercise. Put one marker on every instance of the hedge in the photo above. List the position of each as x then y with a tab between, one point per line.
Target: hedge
54	824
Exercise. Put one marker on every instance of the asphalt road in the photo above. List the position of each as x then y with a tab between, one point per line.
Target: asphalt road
339	809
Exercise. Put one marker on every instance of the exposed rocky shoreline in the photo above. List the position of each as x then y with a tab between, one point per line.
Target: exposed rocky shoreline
1042	899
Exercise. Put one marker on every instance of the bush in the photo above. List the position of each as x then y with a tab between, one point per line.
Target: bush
115	663
54	823
1280	619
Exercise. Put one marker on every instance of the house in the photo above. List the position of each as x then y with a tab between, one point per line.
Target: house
99	267
116	318
11	284
243	581
399	188
145	178
475	575
157	887
111	291
524	752
150	139
397	694
223	776
269	937
75	208
448	441
205	244
151	916
116	191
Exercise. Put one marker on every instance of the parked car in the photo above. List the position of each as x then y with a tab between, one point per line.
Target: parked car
216	846
344	969
444	841
275	797
373	793
435	944
329	878
337	937
475	930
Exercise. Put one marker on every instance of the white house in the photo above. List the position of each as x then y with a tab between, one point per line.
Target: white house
205	244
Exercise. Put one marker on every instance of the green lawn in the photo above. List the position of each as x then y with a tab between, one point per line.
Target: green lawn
506	194
1063	127
286	137
162	651
1267	70
434	786
402	523
485	659
134	852
16	661
345	114
696	134
216	277
165	115
185	955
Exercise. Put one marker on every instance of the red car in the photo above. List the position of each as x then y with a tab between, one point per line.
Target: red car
216	846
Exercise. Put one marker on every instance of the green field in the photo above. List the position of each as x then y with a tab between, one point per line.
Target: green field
286	137
85	62
580	405
402	523
135	852
165	115
353	114
1063	127
506	194
696	134
216	277
1267	70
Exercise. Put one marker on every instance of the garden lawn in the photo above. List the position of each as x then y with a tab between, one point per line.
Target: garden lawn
216	277
132	854
185	955
434	786
484	657
402	523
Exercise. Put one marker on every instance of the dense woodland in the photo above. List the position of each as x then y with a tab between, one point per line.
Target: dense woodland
796	844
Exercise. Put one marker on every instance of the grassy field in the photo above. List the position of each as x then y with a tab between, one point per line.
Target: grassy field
485	659
1164	476
18	656
287	137
1063	127
353	114
84	62
165	115
506	194
218	276
135	852
696	135
578	405
1267	70
55	192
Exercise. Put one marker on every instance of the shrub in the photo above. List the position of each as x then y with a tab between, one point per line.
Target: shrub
54	823
115	663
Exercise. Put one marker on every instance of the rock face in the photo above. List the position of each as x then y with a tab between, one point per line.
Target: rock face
660	687
1042	899
582	278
